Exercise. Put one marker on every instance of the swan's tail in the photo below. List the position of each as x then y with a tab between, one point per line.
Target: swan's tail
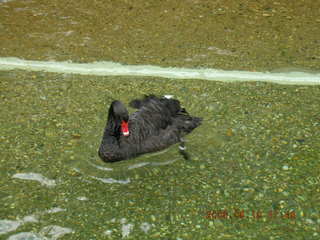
187	123
182	149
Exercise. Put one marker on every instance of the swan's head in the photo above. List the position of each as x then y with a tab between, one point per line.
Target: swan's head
120	117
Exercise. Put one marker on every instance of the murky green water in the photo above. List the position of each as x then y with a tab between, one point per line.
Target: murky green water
260	35
257	150
255	160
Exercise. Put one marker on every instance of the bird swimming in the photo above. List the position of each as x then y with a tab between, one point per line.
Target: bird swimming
158	123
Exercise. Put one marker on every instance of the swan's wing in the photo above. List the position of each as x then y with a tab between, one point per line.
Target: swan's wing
149	101
154	114
164	139
158	123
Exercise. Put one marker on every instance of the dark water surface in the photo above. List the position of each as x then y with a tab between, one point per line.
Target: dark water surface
254	172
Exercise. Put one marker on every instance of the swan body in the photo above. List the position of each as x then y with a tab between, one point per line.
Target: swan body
157	124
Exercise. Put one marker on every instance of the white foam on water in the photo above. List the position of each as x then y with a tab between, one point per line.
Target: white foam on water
117	69
35	177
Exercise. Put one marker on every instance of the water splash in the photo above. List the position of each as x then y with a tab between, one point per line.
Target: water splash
117	69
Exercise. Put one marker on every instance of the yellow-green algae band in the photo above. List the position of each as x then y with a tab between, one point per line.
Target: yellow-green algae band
117	69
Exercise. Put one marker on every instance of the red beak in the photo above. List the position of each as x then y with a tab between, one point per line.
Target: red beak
125	128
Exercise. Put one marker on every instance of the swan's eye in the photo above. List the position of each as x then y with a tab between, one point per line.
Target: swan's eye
125	128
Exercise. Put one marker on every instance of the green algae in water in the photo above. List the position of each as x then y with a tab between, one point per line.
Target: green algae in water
253	152
231	35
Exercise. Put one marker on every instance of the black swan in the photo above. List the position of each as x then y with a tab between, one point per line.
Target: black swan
157	124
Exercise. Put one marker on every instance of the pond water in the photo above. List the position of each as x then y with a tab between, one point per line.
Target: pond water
253	172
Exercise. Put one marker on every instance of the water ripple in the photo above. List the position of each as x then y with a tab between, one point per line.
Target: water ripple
112	180
35	177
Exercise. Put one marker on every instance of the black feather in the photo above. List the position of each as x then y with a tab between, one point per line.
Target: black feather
157	124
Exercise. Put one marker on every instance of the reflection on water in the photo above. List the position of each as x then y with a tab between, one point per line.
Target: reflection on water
101	167
138	165
27	236
7	226
142	164
126	227
145	227
35	177
51	232
111	180
55	231
82	198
